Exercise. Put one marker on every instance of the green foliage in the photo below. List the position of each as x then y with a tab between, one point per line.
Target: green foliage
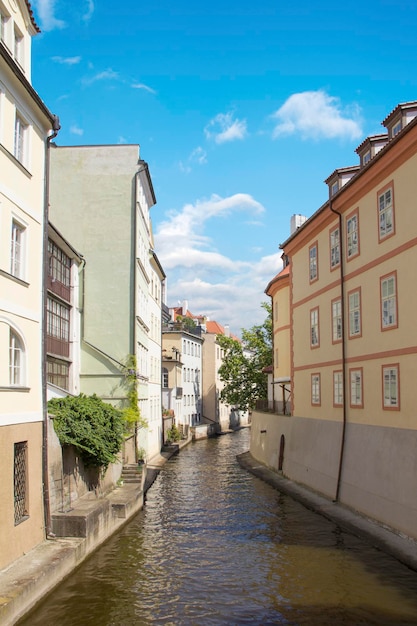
92	426
131	413
173	434
186	322
243	362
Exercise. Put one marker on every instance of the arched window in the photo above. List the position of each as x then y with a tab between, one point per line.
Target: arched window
16	360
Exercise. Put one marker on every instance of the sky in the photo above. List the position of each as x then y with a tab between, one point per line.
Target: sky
241	109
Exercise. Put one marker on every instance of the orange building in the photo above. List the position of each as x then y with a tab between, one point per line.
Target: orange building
344	336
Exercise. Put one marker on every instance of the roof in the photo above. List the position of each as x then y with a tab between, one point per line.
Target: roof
32	18
400	107
215	328
372	139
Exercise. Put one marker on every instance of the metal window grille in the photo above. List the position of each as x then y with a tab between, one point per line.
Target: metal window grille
20	481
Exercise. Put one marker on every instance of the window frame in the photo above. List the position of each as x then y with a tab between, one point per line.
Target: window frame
21	139
18	249
313	263
338	397
314	325
393	367
356	402
354	215
389	187
382	280
335	318
17	359
334	246
351	310
315	389
20	487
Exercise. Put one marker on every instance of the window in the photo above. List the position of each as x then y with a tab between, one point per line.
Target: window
386	213
165	378
313	253
334	188
4	25
57	373
396	128
356	393
389	302
20	482
314	328
20	139
17	250
366	157
315	389
16	360
58	328
59	264
334	248
355	313
336	320
390	375
18	46
337	388
352	235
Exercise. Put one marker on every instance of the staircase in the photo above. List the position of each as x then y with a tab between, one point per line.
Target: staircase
132	473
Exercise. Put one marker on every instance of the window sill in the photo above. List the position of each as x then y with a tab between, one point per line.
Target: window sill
16	388
15	278
16	161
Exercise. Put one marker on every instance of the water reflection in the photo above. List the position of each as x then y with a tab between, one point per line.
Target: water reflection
216	546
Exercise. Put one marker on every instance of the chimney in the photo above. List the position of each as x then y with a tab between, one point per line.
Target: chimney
184	307
226	330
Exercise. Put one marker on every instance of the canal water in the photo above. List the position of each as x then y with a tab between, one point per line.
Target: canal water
215	546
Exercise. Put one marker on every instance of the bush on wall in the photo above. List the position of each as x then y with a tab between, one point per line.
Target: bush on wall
92	426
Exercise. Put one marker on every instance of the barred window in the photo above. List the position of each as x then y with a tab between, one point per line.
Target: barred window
20	482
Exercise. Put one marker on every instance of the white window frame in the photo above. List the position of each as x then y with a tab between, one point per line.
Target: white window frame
352	235
17	359
337	320
17	249
21	139
389	301
366	157
313	258
391	386
356	387
18	46
397	128
338	388
386	213
5	22
335	248
315	389
355	327
314	328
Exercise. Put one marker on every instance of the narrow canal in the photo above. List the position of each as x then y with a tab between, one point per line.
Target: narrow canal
216	546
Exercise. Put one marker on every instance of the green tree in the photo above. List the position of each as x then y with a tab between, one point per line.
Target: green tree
243	362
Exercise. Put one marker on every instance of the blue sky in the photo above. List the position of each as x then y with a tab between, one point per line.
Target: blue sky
241	109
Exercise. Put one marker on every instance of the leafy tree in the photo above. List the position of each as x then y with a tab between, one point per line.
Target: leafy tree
186	322
243	362
92	426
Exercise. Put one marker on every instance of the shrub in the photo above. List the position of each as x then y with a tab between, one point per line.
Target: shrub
92	426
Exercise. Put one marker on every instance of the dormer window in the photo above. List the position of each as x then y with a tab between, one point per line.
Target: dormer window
396	128
366	157
334	188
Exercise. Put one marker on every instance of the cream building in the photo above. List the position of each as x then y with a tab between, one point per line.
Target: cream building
25	124
350	336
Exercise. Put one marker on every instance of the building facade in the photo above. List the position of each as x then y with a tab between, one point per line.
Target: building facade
352	433
25	125
100	197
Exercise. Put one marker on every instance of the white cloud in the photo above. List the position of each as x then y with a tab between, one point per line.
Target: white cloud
89	11
223	128
108	74
315	115
144	87
198	156
226	289
76	130
66	60
46	11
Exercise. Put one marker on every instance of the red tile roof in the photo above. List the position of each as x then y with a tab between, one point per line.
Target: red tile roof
32	18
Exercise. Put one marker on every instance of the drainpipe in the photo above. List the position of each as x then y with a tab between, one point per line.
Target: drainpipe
45	470
342	306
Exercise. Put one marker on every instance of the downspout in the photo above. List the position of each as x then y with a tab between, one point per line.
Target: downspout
342	306
45	470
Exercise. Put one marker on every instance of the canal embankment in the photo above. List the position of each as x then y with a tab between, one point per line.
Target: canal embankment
399	546
89	523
